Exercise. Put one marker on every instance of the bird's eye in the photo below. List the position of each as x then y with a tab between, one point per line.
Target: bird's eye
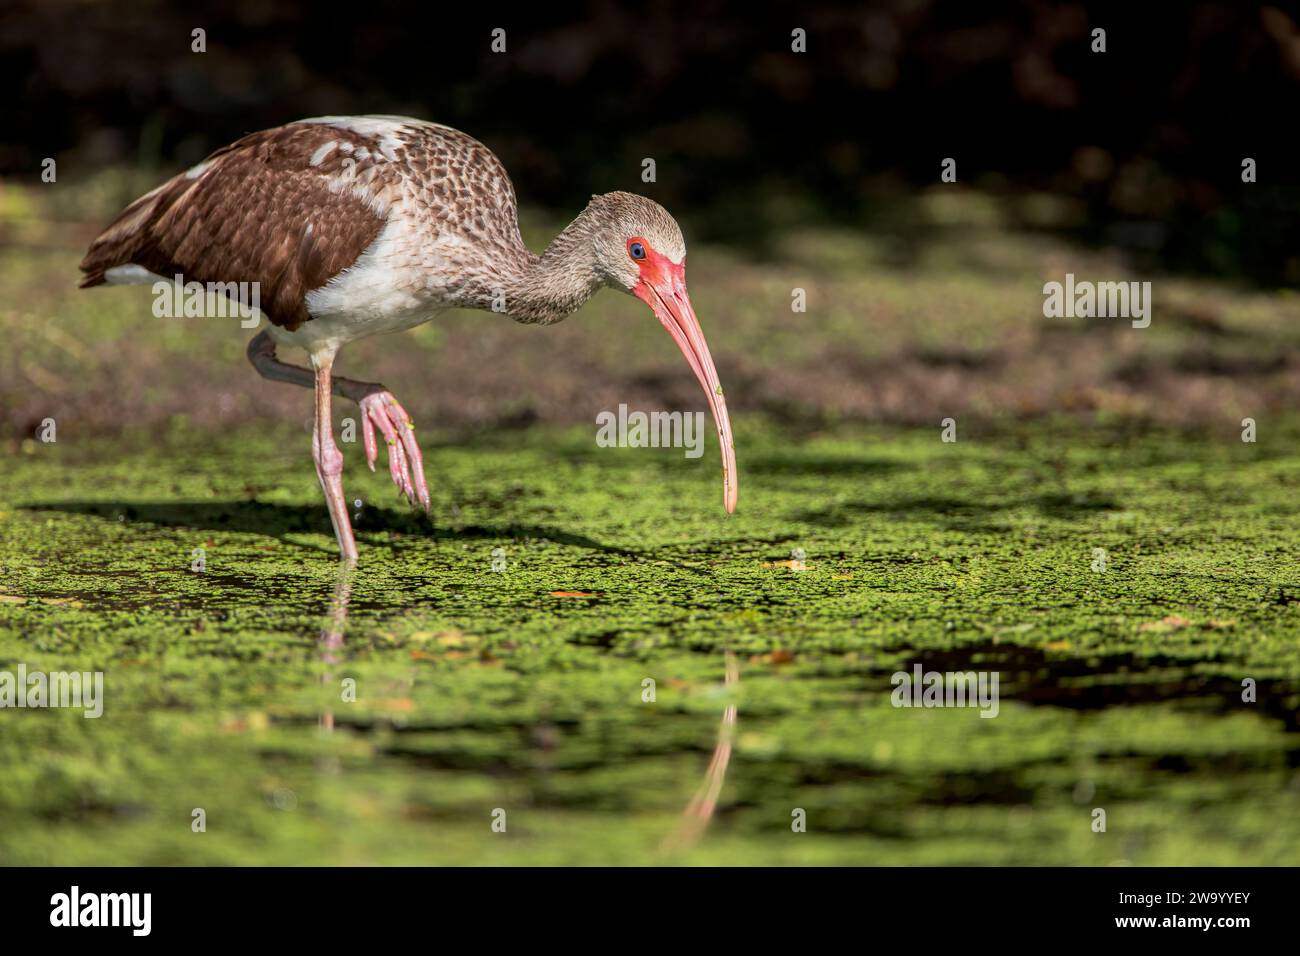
636	250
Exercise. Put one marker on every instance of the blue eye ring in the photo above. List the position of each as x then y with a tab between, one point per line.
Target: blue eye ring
636	250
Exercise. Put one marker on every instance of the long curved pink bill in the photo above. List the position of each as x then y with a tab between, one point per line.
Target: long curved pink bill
673	309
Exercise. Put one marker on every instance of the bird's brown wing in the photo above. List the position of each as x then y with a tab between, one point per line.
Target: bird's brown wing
288	208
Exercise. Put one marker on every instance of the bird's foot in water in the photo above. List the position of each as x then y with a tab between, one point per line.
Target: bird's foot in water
406	465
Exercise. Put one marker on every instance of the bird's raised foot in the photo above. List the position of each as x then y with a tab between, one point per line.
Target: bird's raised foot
405	463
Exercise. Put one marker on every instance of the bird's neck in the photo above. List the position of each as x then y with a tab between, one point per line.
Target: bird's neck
544	289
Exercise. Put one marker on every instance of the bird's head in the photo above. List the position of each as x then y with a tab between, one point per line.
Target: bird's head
640	250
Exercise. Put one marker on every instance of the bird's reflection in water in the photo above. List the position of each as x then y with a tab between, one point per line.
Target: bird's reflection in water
331	637
696	816
698	813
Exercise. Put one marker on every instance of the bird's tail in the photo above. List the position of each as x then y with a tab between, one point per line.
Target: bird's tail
128	236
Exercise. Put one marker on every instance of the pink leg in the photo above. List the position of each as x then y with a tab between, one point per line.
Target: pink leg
380	410
329	465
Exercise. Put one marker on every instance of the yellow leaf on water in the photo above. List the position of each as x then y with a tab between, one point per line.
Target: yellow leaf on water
243	723
1171	623
778	657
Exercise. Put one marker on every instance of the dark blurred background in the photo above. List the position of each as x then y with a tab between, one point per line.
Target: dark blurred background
1145	139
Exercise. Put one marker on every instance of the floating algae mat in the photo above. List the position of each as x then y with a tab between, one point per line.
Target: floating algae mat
578	658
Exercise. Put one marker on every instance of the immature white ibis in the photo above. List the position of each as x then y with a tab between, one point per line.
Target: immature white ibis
358	225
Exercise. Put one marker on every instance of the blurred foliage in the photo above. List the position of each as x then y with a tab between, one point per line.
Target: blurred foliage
1148	136
936	311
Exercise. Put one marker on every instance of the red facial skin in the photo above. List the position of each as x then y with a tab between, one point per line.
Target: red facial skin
662	286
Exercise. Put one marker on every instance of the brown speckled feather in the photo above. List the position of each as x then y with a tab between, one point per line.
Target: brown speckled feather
254	211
